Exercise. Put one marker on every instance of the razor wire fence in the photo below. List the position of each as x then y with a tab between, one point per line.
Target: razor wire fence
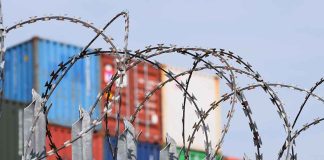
225	64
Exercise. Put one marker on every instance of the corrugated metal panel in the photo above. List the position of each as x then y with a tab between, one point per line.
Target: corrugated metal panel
195	155
19	72
205	89
29	65
140	80
61	134
145	151
11	130
148	151
79	87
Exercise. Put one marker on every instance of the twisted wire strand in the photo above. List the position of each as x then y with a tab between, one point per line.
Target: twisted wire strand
283	148
240	95
194	65
72	62
52	145
270	84
73	20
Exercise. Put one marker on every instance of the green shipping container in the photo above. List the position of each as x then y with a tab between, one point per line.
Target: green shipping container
195	155
11	130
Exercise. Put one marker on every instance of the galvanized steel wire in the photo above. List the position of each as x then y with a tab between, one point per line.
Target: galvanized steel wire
127	59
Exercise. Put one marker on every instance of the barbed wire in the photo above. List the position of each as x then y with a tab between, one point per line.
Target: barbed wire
148	95
127	59
63	67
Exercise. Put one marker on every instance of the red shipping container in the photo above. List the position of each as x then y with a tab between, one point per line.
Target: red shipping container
140	80
61	134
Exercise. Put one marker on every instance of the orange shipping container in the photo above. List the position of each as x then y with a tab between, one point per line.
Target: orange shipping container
231	158
140	80
61	134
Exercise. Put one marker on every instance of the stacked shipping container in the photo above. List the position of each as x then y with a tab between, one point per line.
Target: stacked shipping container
11	146
140	80
11	131
11	135
61	134
205	89
29	65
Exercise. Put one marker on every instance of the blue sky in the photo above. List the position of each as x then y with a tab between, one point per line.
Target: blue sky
282	40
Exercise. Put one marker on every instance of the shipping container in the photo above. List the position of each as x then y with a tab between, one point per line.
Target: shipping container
140	80
61	134
145	151
195	155
206	90
11	134
231	158
11	130
29	65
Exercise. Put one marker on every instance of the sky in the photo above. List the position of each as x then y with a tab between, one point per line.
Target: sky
282	40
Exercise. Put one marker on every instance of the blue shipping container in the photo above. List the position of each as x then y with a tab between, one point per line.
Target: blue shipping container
145	151
19	72
29	65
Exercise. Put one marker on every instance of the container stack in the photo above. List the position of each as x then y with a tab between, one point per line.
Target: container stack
11	130
30	64
141	79
60	134
206	90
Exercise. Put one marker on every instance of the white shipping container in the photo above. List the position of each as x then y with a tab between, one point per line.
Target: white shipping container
206	90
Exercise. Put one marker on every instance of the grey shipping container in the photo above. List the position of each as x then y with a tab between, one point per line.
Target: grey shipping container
11	130
29	65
